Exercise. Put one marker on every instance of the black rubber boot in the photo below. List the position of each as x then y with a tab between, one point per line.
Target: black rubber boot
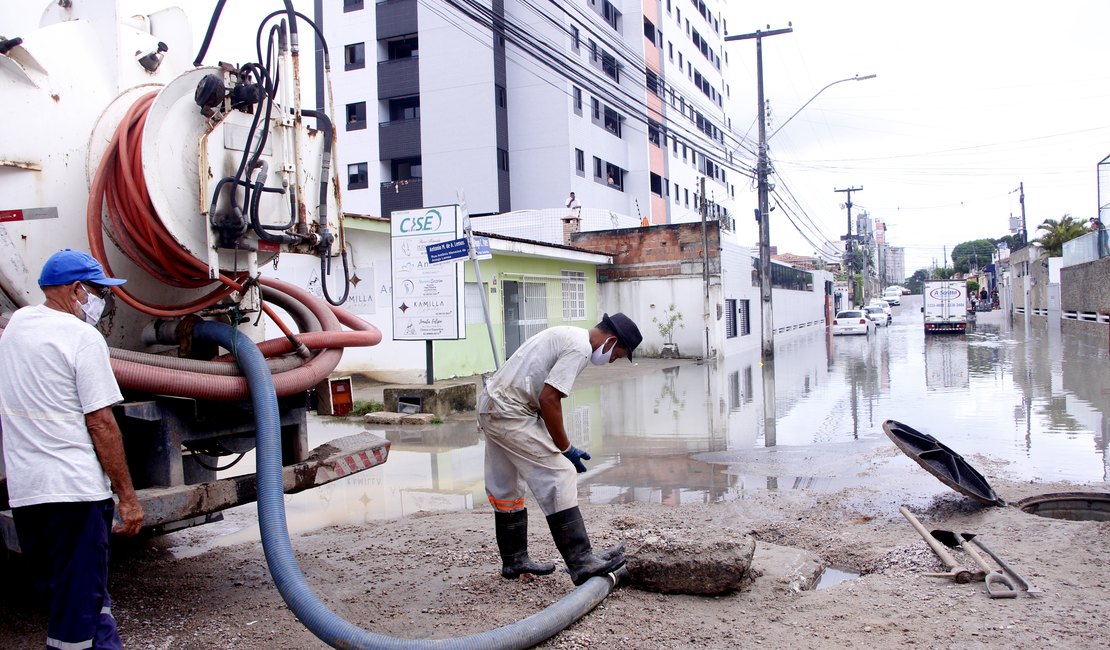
569	531
512	542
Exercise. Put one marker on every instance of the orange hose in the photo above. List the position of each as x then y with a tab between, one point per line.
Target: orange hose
140	233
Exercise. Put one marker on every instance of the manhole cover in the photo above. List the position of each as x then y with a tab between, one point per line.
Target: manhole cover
1072	506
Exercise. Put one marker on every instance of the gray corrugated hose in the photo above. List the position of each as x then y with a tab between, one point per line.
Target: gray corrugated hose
302	601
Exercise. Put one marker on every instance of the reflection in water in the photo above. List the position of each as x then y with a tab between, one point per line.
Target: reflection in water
681	432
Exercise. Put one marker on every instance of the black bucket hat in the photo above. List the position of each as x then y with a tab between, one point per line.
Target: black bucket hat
627	333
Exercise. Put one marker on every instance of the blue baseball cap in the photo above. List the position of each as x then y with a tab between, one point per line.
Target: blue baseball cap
68	266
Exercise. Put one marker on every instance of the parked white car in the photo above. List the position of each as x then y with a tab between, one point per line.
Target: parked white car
852	321
878	314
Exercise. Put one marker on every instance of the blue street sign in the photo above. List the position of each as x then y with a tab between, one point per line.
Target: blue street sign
447	251
481	247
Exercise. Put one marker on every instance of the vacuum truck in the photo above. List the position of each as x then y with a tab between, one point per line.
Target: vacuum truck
188	176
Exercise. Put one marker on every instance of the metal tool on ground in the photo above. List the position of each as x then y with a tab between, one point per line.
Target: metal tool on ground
955	571
1022	582
999	585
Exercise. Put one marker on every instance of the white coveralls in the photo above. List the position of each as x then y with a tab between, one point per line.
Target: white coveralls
519	449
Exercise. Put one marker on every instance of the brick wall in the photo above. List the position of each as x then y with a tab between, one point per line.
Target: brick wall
652	252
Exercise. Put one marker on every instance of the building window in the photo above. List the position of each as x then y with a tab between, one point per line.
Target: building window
597	168
596	108
352	5
653	133
405	108
406	169
656	184
612	122
743	317
403	48
580	162
686	197
611	15
577	100
357	177
670	51
614	177
730	318
653	82
356	116
503	160
677	193
649	30
574	40
609	66
499	93
354	56
574	295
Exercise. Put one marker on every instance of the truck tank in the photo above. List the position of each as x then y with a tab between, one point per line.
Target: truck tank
187	178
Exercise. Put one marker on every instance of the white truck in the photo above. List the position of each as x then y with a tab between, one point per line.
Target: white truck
945	306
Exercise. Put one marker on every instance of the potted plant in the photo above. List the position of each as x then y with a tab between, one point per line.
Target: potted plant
672	318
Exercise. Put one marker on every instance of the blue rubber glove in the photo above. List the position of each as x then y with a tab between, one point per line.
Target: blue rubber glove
576	456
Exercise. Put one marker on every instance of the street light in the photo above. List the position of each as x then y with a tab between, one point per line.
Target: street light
839	81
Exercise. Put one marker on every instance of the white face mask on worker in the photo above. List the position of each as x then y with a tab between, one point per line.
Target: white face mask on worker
601	357
93	308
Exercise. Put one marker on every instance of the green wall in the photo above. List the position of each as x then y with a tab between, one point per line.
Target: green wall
472	355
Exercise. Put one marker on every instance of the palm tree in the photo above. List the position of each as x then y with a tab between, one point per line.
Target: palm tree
1058	232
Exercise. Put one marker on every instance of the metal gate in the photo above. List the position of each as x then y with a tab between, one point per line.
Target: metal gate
525	306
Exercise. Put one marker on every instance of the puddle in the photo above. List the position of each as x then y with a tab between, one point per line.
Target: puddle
833	576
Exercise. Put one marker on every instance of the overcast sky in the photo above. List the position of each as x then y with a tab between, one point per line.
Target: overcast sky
971	99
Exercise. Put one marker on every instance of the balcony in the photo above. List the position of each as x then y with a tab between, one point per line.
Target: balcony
402	195
396	18
399	77
399	139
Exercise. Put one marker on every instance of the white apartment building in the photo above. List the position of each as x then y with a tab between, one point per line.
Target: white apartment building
516	103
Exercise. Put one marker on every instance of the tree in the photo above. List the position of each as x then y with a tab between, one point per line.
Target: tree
944	272
1058	232
916	282
973	254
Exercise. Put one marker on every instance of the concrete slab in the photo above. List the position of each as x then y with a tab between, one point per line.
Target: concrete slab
440	399
688	561
382	417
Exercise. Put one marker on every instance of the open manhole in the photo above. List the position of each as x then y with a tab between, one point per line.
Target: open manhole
1072	506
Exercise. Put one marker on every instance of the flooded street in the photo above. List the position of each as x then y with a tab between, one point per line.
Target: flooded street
1021	402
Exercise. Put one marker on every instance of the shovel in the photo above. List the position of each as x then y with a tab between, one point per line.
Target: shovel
999	585
1025	584
955	571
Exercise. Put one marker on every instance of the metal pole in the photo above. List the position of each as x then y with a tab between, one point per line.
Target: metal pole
848	204
703	207
762	171
468	232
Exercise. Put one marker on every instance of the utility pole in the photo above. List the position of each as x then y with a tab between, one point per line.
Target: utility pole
703	208
848	204
1021	199
764	214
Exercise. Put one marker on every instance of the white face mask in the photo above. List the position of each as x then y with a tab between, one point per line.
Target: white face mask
599	357
93	308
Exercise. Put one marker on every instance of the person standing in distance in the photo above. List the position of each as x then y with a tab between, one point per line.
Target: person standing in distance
520	411
573	204
63	451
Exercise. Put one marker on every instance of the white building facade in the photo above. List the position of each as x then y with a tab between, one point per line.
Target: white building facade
516	103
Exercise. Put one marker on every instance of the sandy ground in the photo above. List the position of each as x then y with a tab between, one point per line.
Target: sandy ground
436	576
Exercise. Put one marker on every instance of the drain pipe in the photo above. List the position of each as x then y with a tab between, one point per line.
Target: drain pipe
298	595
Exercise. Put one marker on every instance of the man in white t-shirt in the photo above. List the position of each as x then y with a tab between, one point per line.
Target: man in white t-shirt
520	412
573	204
63	451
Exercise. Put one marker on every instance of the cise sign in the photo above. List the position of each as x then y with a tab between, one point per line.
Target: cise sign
427	297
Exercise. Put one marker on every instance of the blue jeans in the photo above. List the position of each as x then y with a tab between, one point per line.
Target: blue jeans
68	545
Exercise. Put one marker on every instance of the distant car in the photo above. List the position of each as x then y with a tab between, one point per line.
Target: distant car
882	304
893	296
852	321
879	315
